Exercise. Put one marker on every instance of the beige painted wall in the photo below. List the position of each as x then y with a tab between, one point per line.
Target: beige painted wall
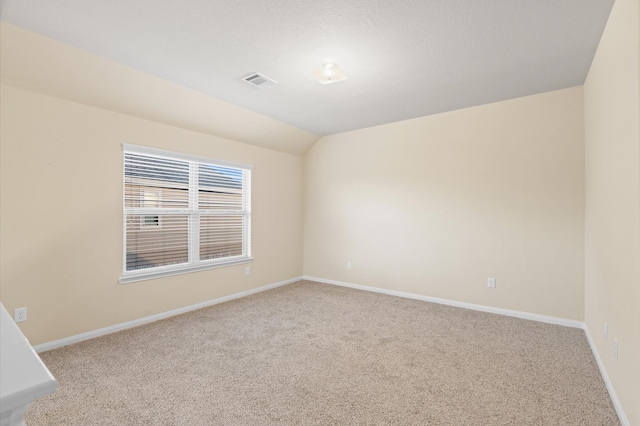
61	216
612	238
435	205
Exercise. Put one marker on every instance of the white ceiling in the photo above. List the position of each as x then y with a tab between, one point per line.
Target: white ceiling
404	58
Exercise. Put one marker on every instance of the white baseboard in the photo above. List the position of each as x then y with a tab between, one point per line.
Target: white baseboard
612	393
134	323
483	308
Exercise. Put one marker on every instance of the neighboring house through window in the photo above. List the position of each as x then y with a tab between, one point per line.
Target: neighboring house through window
150	199
183	213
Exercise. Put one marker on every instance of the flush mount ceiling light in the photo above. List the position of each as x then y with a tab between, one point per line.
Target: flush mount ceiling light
329	73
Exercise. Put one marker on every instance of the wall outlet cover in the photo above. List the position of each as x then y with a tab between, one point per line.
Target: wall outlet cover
20	314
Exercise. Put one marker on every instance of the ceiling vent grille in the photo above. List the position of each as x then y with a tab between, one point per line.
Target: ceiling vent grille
259	80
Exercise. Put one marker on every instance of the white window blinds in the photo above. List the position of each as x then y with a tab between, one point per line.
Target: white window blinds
183	213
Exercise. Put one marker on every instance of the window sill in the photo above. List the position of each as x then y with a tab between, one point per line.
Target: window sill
160	273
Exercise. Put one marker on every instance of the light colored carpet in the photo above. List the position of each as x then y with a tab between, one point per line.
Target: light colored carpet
315	354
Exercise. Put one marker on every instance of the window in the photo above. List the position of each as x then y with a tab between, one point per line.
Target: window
183	213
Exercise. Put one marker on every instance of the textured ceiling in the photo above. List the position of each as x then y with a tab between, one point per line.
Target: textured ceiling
404	58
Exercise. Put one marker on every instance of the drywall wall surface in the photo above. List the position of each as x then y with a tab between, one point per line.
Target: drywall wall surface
436	205
612	221
33	62
61	217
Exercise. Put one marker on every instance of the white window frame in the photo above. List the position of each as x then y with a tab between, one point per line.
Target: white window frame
194	263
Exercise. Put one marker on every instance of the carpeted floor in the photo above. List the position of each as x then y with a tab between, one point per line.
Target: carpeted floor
316	354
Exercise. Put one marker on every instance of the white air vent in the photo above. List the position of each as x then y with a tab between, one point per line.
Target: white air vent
259	80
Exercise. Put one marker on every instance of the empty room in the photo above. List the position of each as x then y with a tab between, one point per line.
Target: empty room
320	213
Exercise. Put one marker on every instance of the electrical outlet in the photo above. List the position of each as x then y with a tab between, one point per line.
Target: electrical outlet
348	265
20	314
606	331
247	270
615	349
491	282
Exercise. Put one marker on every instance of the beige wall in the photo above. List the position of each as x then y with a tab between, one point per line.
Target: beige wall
435	205
612	135
61	216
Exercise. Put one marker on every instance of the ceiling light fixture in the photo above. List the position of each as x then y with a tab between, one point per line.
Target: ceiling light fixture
329	73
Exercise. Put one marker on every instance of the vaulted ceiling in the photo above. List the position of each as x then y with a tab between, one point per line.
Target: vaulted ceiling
404	58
